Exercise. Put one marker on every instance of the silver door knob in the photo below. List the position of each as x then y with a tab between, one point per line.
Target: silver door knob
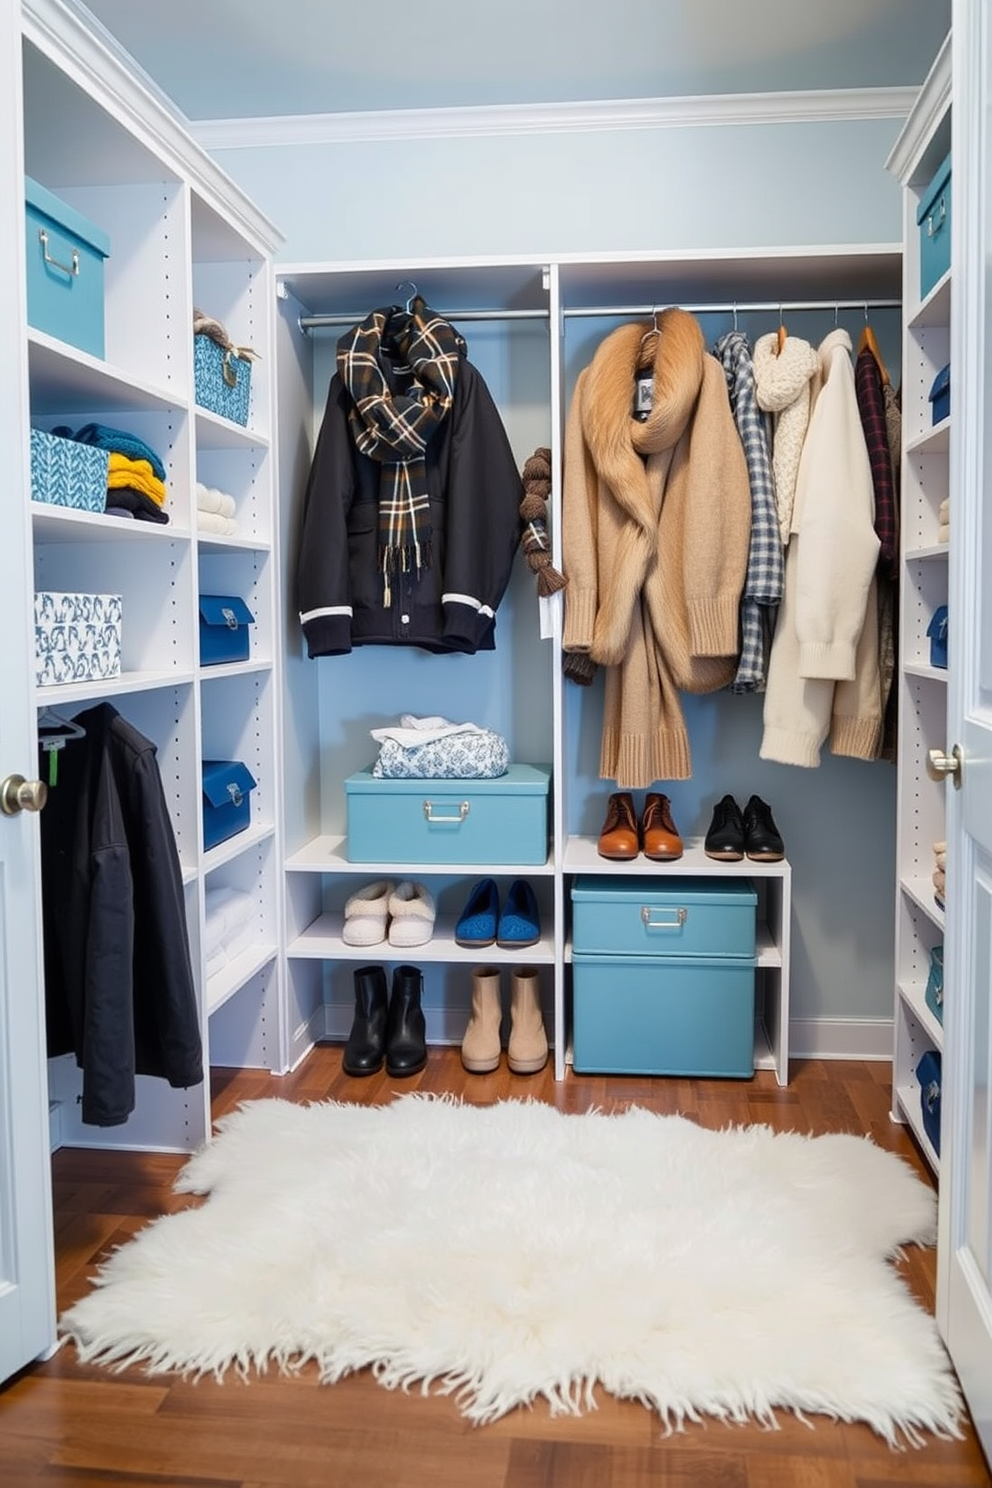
941	765
18	794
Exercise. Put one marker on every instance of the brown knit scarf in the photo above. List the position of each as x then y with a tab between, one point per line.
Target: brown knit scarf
535	541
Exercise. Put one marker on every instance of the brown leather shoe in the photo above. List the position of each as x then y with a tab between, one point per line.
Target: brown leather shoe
661	840
620	838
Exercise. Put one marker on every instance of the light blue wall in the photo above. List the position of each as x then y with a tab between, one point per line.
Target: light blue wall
698	188
615	191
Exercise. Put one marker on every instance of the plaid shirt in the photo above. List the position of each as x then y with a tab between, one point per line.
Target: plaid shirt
871	406
765	565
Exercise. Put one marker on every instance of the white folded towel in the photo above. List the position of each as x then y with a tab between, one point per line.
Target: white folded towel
211	522
227	910
209	499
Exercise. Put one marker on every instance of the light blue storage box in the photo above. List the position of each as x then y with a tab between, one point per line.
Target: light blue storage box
66	472
499	821
221	380
933	218
65	259
663	976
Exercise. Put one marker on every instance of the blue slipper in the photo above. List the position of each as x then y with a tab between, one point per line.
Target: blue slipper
476	925
520	922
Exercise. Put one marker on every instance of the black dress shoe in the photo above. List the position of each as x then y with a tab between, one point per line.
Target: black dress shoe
366	1046
725	838
406	1029
762	840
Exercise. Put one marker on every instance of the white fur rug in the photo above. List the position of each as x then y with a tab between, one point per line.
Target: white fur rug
511	1252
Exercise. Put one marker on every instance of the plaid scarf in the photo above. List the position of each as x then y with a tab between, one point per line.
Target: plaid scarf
420	352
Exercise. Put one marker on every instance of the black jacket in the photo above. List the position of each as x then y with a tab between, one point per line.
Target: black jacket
119	990
475	493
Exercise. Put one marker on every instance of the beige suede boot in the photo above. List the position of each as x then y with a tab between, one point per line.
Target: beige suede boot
481	1044
527	1051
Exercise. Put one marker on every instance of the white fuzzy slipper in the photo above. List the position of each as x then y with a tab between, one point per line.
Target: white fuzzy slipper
411	914
366	913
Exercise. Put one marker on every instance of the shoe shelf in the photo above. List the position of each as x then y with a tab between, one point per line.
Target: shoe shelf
326	854
581	856
322	940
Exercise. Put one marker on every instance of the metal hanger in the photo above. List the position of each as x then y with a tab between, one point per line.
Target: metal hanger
412	296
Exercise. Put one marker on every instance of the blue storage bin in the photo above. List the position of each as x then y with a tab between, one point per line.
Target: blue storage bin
227	787
940	395
934	994
663	976
66	472
928	1072
933	218
65	270
224	634
503	820
937	631
221	380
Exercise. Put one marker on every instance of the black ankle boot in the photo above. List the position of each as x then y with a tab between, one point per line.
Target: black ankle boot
366	1046
406	1030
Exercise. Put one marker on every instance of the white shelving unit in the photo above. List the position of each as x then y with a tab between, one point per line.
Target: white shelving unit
181	235
919	921
531	329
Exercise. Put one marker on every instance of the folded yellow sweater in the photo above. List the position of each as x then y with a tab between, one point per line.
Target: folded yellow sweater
136	474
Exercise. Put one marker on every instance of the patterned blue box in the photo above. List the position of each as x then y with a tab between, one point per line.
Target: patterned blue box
65	472
77	637
221	381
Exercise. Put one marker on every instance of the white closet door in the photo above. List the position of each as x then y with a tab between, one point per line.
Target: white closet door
965	1279
26	1282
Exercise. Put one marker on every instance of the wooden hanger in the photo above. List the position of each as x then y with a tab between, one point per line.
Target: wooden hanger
782	337
868	343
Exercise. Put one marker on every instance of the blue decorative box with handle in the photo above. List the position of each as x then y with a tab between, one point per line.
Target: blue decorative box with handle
221	370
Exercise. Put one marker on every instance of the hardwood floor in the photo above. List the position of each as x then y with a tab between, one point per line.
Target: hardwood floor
61	1423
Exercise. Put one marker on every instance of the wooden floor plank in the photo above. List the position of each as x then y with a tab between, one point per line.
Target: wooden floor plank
62	1422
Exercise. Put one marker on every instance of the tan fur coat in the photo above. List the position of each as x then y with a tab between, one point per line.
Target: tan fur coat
656	527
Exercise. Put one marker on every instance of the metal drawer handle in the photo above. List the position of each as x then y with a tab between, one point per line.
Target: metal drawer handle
230	618
71	269
463	808
234	791
931	229
679	917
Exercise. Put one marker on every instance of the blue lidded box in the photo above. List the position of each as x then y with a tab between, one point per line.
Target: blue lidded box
502	820
65	270
224	634
929	1074
227	787
937	631
940	395
933	218
663	976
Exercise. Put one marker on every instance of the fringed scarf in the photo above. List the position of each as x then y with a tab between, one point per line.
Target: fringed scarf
418	352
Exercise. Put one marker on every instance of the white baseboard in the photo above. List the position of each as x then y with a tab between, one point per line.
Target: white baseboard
840	1038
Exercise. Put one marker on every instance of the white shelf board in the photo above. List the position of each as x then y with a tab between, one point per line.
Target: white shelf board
930	673
581	856
241	842
215	432
931	551
326	854
912	995
920	890
259	665
908	1102
63	524
65	380
322	941
935	309
69	693
933	441
216	542
228	981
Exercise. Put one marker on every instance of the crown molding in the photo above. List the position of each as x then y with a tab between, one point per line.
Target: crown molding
824	106
88	53
932	103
